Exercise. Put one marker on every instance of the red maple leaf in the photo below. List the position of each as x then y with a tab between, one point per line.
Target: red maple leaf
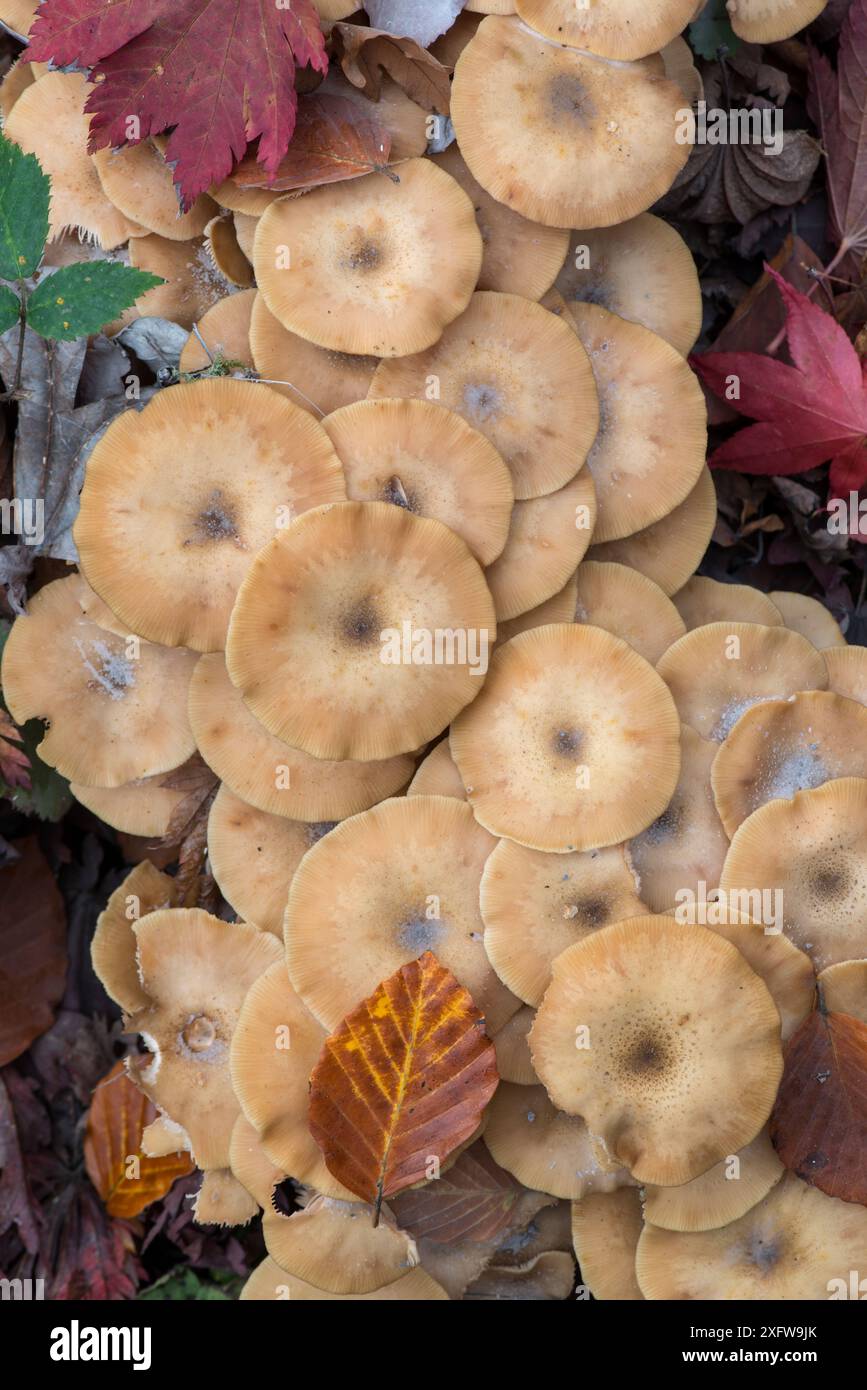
220	72
811	413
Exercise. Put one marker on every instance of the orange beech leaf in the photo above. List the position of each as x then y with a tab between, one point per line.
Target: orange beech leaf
475	1200
32	949
332	142
819	1122
402	1082
125	1178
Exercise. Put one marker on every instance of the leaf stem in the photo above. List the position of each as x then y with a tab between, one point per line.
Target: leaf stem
12	394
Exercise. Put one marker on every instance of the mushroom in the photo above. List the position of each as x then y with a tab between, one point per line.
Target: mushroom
560	608
809	617
248	1160
384	637
356	266
624	29
844	988
665	1041
702	601
144	808
269	1282
137	180
335	1246
222	1201
437	775
17	79
548	539
670	550
315	378
225	332
534	906
548	1277
518	374
847	672
113	948
193	284
167	547
512	1049
769	21
225	250
550	748
606	1227
628	604
723	1194
563	137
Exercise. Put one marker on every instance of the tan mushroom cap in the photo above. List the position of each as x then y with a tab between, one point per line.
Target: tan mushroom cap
425	458
628	604
225	328
723	1194
196	970
518	374
641	270
116	708
682	1057
269	1282
548	539
248	202
560	608
315	378
520	257
48	120
450	45
572	744
546	1278
535	905
162	1137
437	775
844	988
250	1163
140	184
768	21
687	844
16	79
142	808
716	673
813	850
702	601
19	15
193	283
679	63
786	746
606	1227
245	230
335	1246
271	775
624	29
359	908
275	1047
791	1246
670	550
357	266
222	1200
809	617
546	1149
560	136
847	672
483	7
372	590
513	1051
641	467
113	948
226	251
178	499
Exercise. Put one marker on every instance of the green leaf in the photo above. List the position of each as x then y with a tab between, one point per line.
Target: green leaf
712	31
9	307
24	193
186	1285
80	299
49	796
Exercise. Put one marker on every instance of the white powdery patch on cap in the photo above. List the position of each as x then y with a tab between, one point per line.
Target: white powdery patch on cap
422	20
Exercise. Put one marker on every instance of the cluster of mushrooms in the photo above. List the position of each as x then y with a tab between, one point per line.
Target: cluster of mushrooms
472	419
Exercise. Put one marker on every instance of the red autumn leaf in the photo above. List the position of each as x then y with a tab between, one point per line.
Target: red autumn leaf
838	105
14	763
811	413
126	1179
221	72
819	1122
331	143
32	949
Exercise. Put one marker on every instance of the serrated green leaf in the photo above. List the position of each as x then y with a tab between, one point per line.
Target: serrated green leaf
9	307
80	299
712	31
24	194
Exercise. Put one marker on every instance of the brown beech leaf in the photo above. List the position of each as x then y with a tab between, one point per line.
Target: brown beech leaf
403	1081
32	949
819	1122
473	1201
331	143
838	105
125	1178
365	54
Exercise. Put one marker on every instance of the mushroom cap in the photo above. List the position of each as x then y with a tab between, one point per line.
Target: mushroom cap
250	1163
15	80
847	672
366	273
550	750
606	1227
716	673
143	808
140	184
437	775
812	850
641	270
723	1194
276	1045
702	601
642	469
520	257
193	284
225	328
546	1278
249	202
425	458
113	948
560	608
196	971
548	539
624	29
844	988
670	550
271	775
809	617
686	845
19	15
269	1282
684	1057
768	21
518	374
450	45
335	1246
513	1051
534	906
116	707
791	1245
223	1201
347	928
315	378
782	747
545	1149
560	136
372	591
227	253
628	604
679	63
168	547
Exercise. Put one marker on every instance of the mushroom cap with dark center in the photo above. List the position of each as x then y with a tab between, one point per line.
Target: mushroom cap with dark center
625	29
670	550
